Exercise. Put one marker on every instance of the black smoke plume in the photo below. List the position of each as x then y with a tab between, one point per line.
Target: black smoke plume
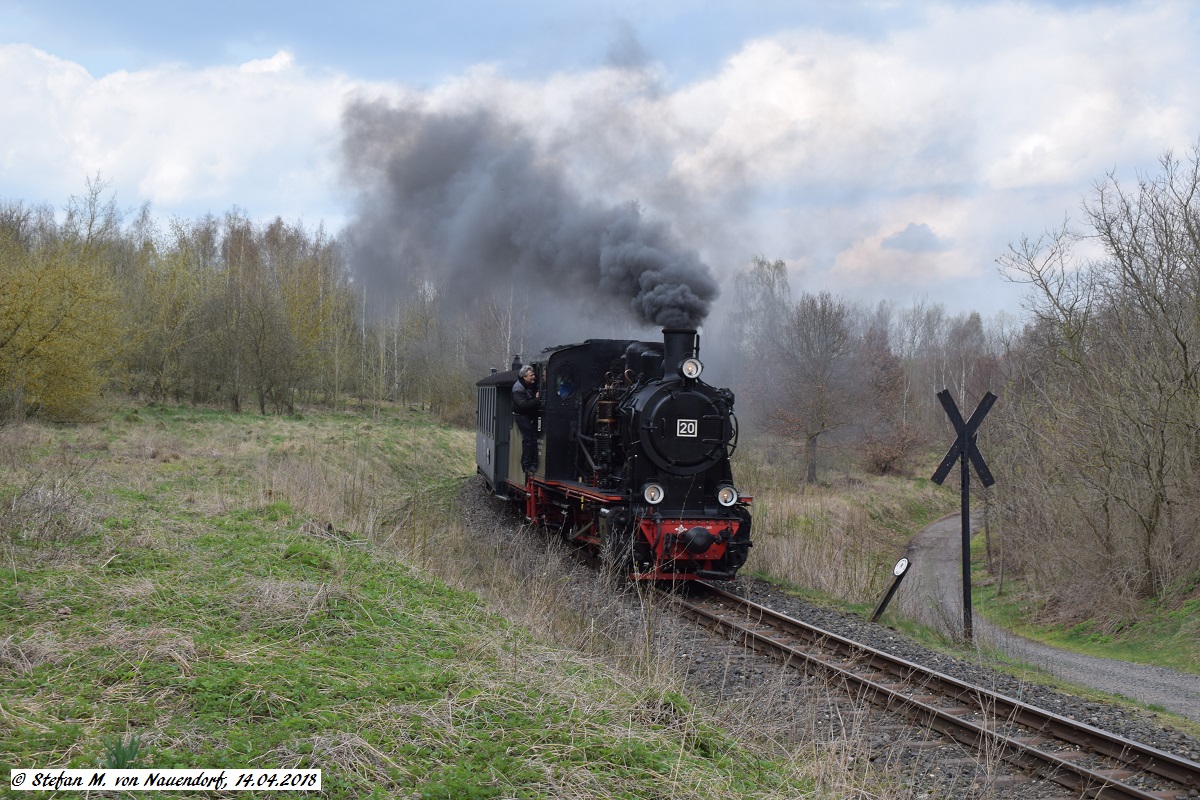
467	197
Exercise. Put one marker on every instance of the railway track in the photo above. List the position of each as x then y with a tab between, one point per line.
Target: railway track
1086	760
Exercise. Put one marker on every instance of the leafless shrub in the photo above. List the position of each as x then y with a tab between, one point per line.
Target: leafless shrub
45	514
16	442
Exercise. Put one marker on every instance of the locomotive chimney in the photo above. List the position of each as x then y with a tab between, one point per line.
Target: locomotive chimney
678	344
516	362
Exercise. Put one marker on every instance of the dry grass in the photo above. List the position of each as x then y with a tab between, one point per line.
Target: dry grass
20	656
820	541
150	643
838	538
46	512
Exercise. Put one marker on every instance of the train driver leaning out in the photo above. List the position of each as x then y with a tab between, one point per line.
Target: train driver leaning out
527	401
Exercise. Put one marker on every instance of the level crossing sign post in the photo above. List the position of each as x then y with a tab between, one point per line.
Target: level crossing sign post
965	450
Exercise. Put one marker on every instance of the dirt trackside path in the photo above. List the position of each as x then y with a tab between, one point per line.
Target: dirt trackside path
932	593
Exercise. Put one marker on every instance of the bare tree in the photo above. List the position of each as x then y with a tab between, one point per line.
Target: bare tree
815	375
888	439
918	337
762	303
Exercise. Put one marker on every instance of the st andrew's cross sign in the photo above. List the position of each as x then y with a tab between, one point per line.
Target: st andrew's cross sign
966	438
963	450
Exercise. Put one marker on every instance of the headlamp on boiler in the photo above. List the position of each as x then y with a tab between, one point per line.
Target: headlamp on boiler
691	368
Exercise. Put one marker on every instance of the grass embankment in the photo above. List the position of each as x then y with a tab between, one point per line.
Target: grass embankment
226	589
1161	636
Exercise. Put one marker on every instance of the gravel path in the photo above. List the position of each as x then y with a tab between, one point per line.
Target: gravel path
932	593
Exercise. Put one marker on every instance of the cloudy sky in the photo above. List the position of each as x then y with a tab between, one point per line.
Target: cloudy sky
884	149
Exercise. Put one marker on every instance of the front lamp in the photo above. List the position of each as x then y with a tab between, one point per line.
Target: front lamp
691	368
653	493
727	495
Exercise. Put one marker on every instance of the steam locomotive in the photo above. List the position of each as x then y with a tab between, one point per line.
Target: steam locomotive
634	457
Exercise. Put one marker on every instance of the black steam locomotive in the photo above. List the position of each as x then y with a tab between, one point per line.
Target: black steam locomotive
634	456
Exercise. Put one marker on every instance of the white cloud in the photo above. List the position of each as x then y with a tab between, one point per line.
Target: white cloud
916	238
260	135
276	63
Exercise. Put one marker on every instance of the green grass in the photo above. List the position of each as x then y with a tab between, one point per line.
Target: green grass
224	591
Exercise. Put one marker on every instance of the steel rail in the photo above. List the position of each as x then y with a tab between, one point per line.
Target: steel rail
767	631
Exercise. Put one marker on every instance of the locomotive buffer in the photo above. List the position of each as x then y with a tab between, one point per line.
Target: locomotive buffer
963	450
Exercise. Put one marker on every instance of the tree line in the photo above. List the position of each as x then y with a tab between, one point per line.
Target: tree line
219	310
1098	439
267	317
849	384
